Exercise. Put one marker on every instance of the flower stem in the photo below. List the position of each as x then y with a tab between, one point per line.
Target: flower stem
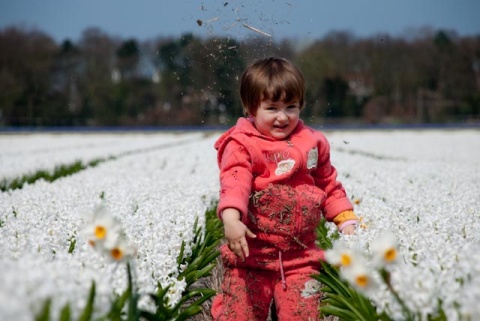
386	278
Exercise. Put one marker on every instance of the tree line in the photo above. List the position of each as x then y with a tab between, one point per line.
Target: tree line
431	76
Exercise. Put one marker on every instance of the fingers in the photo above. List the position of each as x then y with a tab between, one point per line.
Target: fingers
250	234
240	248
349	230
244	244
237	249
245	248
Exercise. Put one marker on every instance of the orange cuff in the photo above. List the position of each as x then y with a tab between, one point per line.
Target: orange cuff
344	217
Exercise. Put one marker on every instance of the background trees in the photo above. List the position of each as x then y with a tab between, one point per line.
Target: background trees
429	76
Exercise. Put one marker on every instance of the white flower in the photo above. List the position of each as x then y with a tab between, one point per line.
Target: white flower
359	276
174	293
104	230
106	234
384	249
353	267
120	250
340	255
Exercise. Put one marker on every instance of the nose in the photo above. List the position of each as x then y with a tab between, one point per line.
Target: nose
282	116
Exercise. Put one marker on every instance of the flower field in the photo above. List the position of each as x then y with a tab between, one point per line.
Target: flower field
156	191
422	186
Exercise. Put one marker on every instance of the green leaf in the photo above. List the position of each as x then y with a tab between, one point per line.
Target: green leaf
180	257
205	294
151	317
332	286
71	248
333	301
364	303
65	313
86	315
133	312
350	305
160	300
44	314
343	314
189	312
330	274
117	306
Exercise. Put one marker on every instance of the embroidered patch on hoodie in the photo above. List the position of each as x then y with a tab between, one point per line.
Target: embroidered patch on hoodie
284	166
312	158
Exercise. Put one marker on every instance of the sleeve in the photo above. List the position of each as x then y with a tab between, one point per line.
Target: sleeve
235	178
325	177
345	218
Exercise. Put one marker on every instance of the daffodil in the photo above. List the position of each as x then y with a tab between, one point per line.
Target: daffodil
104	229
120	250
340	255
359	276
384	249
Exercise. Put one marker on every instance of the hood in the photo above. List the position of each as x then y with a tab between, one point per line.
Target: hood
244	128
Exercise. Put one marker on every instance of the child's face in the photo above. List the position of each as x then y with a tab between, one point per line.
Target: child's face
277	119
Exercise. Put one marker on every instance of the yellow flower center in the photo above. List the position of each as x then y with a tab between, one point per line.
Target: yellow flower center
362	280
345	259
116	253
390	255
100	232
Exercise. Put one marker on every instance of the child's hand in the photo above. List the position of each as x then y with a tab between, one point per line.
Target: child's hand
236	232
349	230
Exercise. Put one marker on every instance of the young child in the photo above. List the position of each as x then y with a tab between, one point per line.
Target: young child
276	183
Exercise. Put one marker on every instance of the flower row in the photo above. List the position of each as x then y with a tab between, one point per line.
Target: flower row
27	153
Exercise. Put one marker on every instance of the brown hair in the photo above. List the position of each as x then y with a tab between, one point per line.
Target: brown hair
271	78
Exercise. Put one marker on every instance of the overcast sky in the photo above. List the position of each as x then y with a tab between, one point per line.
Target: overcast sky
301	19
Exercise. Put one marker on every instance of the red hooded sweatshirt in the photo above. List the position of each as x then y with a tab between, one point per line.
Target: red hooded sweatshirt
281	187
